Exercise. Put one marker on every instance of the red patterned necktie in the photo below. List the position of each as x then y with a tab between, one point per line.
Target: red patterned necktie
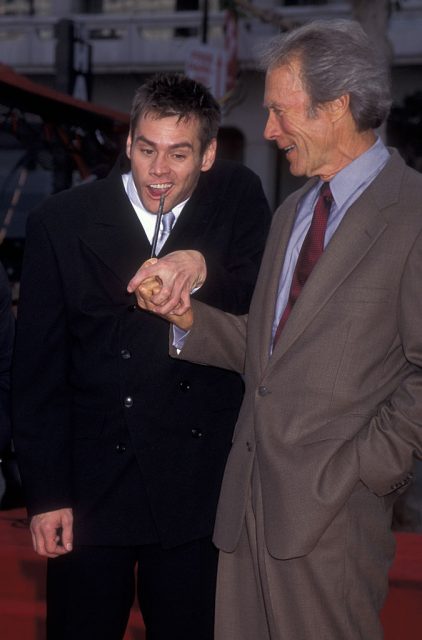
312	248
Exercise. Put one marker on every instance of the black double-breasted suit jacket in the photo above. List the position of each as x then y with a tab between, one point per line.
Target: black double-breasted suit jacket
105	421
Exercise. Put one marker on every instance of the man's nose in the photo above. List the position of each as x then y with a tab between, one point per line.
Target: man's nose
271	130
160	165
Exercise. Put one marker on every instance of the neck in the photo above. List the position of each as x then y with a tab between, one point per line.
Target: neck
349	148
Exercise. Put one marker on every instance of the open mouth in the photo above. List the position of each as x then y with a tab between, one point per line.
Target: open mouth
157	190
288	149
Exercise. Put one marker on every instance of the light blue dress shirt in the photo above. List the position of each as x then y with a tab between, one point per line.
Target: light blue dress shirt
346	187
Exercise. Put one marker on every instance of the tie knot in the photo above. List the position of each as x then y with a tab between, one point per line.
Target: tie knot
325	192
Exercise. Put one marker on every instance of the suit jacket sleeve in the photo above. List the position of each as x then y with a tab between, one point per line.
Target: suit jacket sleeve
394	436
39	377
217	339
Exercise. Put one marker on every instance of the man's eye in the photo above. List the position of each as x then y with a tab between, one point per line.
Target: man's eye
179	156
146	152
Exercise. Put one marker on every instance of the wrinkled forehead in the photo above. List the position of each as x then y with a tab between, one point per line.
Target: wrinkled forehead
283	81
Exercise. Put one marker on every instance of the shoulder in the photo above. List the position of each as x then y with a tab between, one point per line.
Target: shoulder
72	206
230	172
230	183
397	191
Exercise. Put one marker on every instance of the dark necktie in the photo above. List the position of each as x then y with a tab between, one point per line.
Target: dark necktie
312	248
167	222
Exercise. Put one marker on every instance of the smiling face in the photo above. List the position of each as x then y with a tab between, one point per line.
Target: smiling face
166	159
307	139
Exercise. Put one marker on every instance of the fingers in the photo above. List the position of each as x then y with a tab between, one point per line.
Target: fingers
52	533
67	532
178	272
145	292
145	272
164	286
184	321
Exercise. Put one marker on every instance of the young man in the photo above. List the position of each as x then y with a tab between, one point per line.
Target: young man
122	449
332	356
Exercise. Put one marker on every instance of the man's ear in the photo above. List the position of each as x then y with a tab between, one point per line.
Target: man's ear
128	145
339	107
208	157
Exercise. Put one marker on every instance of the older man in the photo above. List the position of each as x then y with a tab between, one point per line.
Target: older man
332	356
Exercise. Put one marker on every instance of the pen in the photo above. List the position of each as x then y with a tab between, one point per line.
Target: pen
157	226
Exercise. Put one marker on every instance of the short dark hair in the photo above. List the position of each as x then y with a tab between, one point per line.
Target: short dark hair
336	57
174	94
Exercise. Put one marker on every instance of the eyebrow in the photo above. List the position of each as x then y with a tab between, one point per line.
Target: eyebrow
177	145
272	104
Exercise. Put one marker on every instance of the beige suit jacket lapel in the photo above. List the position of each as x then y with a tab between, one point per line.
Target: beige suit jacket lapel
263	304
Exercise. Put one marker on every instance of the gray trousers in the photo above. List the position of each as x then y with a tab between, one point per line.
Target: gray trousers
334	593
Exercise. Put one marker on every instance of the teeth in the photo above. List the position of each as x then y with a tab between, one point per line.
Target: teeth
287	149
160	186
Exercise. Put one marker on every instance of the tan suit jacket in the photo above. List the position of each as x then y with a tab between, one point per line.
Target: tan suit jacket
340	400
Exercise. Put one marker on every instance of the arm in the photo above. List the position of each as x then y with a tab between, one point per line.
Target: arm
216	338
387	447
41	394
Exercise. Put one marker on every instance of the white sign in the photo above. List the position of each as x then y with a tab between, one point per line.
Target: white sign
208	65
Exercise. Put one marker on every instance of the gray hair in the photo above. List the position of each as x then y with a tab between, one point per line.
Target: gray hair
336	58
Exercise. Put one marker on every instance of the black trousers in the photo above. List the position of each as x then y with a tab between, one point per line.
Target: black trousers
90	591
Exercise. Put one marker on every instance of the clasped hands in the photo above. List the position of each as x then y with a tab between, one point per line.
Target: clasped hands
164	286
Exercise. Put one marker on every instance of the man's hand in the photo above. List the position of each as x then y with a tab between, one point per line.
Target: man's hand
52	533
164	286
145	292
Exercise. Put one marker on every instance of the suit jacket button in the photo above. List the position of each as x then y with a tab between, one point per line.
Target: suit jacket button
196	433
263	391
132	307
128	402
249	446
125	354
184	385
120	447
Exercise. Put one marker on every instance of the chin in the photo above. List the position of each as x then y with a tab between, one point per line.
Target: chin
296	172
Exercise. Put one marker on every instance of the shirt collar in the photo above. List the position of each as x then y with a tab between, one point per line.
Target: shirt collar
359	172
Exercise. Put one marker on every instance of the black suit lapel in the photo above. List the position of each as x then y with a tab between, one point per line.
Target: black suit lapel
114	232
117	237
